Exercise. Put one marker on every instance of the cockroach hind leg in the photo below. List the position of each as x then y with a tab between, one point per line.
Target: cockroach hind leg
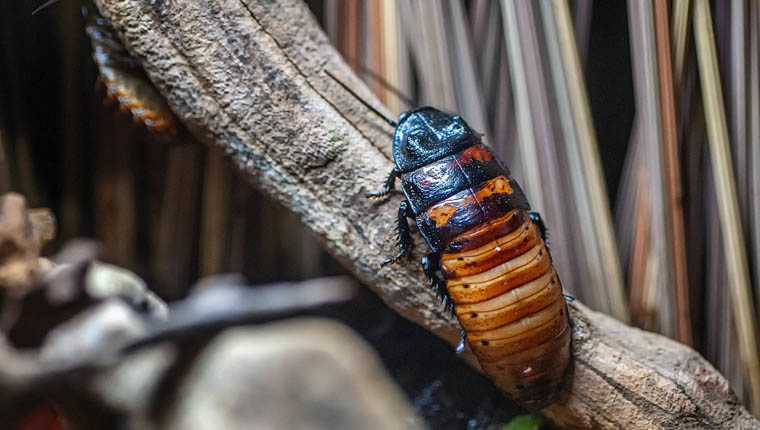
439	287
448	303
462	341
571	322
388	186
539	222
425	262
430	264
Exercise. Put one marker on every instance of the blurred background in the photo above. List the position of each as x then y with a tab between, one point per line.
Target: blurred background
633	127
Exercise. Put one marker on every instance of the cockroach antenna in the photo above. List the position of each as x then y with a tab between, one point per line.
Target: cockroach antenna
392	123
44	6
385	84
361	68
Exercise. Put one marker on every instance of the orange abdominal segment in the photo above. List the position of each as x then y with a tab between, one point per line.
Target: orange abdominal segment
476	153
500	279
491	254
508	299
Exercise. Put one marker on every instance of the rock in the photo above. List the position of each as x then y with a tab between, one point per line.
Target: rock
64	283
96	333
303	373
131	385
23	233
75	283
106	280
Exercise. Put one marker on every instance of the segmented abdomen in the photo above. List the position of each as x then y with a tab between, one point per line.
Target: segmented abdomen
508	298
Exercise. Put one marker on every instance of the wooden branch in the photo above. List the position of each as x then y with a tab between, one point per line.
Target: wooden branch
249	76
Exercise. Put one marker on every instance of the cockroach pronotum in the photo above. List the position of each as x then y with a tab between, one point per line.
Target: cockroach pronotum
488	259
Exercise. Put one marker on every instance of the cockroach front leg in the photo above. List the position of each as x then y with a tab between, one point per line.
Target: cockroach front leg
388	186
403	236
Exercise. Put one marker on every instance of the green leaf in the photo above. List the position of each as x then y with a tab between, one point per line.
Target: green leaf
525	422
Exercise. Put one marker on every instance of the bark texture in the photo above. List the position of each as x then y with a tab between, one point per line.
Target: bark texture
249	76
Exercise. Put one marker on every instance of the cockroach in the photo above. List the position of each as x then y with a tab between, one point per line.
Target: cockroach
125	82
487	259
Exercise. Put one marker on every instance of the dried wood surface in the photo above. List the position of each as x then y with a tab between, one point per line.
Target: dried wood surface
249	77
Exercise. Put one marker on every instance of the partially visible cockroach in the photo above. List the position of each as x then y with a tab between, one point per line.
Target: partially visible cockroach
488	259
125	81
123	78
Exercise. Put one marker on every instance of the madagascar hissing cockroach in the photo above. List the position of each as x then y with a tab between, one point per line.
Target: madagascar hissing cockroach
488	260
124	80
122	77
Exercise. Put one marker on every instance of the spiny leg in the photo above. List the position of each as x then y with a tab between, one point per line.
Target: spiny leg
404	237
388	186
431	264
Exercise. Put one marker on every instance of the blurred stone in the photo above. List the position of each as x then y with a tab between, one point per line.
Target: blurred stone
77	252
75	282
65	283
297	374
43	225
106	280
130	387
23	233
96	333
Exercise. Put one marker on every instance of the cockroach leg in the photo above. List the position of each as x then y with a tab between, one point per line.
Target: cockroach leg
403	235
539	222
462	341
388	186
431	265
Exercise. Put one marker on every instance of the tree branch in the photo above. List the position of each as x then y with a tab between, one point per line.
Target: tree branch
249	76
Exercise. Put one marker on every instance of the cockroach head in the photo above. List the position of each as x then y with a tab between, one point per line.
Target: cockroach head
426	134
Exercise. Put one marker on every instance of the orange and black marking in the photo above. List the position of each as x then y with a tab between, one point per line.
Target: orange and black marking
488	259
125	82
